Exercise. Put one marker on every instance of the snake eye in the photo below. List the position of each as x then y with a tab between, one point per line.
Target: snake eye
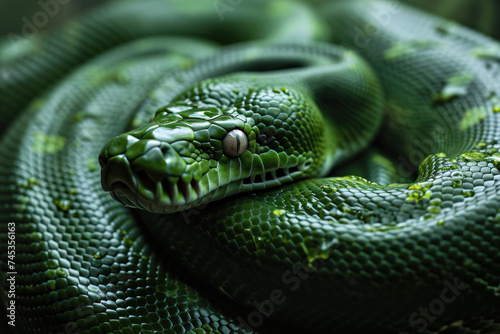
235	143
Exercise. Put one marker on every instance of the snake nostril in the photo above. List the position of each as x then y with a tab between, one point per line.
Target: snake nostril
116	169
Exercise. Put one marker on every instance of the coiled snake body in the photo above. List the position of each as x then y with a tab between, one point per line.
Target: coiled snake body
241	231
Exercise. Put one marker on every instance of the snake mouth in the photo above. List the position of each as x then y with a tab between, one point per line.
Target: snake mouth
173	193
151	175
163	197
139	189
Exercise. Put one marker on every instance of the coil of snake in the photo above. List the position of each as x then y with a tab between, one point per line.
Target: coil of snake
243	228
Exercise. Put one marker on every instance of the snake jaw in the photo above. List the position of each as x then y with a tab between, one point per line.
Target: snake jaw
282	175
132	180
160	176
148	174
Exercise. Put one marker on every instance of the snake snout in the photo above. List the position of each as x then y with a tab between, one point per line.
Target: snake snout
117	178
116	171
147	174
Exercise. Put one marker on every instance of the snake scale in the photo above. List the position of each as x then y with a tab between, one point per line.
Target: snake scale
232	209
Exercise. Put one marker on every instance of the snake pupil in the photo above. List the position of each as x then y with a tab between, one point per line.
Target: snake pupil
235	143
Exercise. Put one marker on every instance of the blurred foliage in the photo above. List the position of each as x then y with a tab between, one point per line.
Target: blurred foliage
15	13
480	15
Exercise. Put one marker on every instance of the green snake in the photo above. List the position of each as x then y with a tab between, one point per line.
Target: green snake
226	134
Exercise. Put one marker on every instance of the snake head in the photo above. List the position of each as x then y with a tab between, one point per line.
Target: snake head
195	151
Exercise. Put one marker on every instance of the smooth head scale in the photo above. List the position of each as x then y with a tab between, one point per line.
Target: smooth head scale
217	139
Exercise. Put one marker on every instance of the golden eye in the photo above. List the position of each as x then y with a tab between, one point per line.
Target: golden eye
235	143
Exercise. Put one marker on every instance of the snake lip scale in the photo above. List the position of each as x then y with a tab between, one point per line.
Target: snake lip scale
165	192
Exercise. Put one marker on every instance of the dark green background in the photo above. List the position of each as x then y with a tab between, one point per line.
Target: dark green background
482	15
